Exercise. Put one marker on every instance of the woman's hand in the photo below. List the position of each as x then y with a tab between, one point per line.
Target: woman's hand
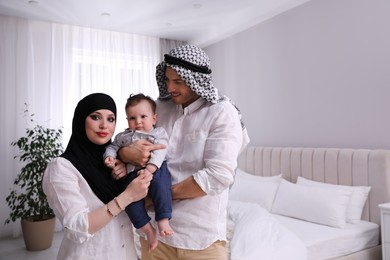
137	189
138	153
119	170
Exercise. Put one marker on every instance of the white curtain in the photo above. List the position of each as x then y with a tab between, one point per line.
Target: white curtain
166	45
50	67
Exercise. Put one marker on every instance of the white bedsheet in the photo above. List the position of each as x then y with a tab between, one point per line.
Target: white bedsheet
258	235
323	242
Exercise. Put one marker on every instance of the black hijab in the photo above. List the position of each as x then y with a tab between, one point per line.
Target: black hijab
86	156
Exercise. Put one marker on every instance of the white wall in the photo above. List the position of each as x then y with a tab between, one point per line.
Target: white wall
316	76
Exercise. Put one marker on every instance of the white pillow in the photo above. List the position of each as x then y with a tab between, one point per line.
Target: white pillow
313	204
357	200
256	189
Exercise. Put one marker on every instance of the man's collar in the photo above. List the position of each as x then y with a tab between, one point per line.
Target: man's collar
194	105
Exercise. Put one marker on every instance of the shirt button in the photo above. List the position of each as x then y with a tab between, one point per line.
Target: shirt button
121	226
123	246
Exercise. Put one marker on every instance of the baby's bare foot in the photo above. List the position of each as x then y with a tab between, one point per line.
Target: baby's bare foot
151	236
164	227
152	241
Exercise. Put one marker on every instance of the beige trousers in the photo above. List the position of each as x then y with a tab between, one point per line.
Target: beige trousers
217	251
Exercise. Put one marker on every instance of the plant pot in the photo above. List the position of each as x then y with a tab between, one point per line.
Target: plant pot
38	234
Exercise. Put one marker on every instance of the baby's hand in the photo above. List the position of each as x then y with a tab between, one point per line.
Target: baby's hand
144	171
109	162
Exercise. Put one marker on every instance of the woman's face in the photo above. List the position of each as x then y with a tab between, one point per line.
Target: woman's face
100	126
181	94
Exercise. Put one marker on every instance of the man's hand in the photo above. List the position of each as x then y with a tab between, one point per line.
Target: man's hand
138	153
187	189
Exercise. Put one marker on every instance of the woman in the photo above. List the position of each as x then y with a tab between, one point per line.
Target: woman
85	195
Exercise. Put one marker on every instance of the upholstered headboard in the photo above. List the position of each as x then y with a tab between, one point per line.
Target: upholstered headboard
357	167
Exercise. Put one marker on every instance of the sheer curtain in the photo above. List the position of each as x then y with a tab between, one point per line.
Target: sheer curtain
166	45
50	67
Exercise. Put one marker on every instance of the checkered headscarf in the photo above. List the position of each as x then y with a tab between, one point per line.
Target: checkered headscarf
193	65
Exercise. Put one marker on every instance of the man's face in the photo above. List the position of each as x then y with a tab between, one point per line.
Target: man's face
181	94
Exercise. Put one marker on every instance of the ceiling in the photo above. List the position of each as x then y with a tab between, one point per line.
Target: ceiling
199	22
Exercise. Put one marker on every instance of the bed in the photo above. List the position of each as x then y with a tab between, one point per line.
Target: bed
317	203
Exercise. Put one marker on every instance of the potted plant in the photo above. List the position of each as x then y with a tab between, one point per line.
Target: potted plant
27	200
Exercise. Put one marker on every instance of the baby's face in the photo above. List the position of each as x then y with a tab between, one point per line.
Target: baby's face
141	117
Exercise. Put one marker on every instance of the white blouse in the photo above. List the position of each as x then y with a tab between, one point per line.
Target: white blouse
205	140
71	198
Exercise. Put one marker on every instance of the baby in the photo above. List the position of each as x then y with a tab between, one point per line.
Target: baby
141	118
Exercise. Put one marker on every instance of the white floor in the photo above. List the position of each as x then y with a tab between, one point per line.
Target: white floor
14	248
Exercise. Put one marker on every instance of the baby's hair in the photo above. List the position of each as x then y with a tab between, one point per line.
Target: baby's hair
134	99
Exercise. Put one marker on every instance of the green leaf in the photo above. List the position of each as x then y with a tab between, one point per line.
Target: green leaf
36	149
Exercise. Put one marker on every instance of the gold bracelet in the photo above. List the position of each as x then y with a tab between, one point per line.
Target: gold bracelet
117	203
109	211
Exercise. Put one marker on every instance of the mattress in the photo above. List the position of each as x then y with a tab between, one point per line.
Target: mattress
324	242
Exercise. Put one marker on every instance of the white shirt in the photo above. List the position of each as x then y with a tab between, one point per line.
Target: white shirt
204	142
71	198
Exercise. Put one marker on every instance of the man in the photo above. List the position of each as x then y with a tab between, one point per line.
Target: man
205	138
